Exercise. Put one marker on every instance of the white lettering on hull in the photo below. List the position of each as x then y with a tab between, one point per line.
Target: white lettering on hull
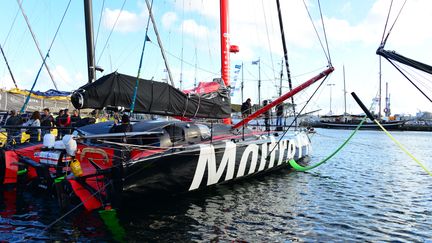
250	149
207	159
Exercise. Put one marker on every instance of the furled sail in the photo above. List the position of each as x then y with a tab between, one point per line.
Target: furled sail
116	90
404	60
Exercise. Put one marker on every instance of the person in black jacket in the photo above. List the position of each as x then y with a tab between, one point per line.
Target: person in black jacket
279	115
246	108
75	118
13	134
124	127
47	121
266	117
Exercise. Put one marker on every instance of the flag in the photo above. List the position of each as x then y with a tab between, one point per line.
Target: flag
255	62
234	78
147	38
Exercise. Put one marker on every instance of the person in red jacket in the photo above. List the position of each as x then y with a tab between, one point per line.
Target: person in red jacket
57	123
65	122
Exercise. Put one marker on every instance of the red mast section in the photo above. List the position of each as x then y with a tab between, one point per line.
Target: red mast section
225	46
284	97
225	41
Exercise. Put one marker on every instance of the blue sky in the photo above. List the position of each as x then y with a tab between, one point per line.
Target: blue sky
190	32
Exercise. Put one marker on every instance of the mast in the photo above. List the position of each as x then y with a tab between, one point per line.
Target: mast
36	43
259	83
387	108
285	56
345	113
225	41
91	63
242	83
379	90
160	43
225	46
330	85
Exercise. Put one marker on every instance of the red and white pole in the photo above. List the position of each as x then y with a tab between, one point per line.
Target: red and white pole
284	97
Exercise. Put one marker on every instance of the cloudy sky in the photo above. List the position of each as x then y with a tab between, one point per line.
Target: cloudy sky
190	34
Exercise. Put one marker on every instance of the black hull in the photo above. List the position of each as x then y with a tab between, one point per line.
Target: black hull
184	160
176	172
366	126
420	128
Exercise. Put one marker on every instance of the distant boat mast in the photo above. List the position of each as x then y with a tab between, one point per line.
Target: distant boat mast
379	95
345	112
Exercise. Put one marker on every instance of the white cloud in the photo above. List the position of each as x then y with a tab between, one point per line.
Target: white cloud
353	38
205	8
127	21
191	27
61	76
6	82
168	19
66	81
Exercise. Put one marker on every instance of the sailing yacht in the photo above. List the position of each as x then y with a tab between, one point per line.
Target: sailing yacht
163	157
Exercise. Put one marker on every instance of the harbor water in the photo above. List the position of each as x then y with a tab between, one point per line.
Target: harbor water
370	191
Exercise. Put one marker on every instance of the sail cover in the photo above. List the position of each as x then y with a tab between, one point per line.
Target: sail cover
404	60
116	90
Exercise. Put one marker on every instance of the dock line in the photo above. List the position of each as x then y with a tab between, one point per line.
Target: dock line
298	167
357	99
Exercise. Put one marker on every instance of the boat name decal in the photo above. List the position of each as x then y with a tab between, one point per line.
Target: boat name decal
253	153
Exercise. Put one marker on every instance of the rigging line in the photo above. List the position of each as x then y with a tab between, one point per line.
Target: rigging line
36	42
73	209
297	115
112	30
196	50
196	66
8	67
140	63
99	24
44	60
268	38
324	30
10	29
397	17
188	63
394	65
403	148
417	75
386	23
316	31
362	106
182	48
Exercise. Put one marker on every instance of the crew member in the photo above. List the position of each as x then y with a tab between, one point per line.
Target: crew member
246	108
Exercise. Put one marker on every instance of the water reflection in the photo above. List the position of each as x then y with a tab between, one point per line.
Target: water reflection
370	191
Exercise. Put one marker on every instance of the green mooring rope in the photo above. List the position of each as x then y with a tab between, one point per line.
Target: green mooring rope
298	167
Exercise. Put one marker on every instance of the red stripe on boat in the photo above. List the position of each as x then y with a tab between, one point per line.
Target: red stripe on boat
88	200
